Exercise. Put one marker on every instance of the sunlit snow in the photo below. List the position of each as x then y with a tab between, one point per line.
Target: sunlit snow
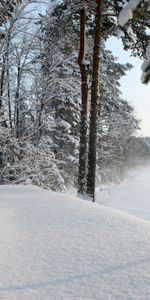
57	247
132	195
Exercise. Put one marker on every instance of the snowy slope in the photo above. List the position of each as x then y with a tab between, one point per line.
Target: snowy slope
54	246
132	196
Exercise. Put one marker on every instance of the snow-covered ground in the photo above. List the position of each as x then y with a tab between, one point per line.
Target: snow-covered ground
132	196
58	247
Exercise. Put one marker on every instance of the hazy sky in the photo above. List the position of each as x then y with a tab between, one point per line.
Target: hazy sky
132	89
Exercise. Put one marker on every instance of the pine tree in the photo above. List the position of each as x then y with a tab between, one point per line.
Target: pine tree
95	97
84	70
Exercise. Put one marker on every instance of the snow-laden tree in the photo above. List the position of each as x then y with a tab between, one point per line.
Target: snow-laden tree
41	97
113	108
22	162
132	15
100	17
117	122
16	55
24	158
6	9
61	91
8	150
113	140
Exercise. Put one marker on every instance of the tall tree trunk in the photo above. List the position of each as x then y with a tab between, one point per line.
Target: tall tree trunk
17	99
84	105
8	84
95	97
2	81
39	122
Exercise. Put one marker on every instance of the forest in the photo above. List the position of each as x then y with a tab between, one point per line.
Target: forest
63	121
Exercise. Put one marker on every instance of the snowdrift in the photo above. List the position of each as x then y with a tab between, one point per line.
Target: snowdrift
53	246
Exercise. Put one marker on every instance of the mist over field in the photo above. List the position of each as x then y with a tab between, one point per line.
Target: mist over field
132	195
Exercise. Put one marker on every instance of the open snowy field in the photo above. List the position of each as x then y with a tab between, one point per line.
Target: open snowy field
56	247
132	196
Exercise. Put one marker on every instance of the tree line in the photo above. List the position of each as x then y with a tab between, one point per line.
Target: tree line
63	122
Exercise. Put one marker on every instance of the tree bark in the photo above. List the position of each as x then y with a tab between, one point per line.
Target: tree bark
84	106
17	106
8	84
2	80
95	98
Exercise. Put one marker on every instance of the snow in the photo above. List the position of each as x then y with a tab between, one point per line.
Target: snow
125	15
120	34
133	4
64	124
55	246
131	33
127	12
143	76
146	65
85	62
148	51
131	196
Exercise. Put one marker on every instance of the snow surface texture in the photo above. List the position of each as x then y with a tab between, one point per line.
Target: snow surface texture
54	246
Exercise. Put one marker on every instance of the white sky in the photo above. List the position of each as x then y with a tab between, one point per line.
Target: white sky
132	89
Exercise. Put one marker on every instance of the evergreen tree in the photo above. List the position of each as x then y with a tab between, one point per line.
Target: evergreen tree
107	27
41	74
117	122
62	95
